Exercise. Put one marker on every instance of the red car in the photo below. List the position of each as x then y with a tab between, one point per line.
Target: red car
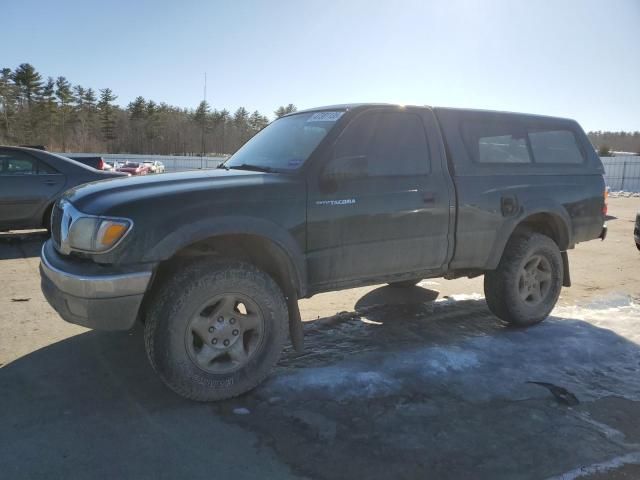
135	168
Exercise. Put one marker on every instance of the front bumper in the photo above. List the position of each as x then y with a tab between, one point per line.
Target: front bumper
86	294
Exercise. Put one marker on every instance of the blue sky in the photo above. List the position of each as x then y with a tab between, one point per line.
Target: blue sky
574	58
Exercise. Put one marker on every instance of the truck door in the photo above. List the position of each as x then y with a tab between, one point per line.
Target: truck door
380	204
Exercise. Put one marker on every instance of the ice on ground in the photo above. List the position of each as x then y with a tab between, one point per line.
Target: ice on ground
623	194
592	350
340	382
459	297
241	411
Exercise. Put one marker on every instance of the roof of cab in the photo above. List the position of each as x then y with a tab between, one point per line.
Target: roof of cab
450	110
351	106
462	111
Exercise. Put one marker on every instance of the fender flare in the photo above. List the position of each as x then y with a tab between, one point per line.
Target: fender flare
238	225
562	224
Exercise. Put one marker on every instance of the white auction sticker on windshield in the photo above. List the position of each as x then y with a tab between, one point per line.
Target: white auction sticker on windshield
325	117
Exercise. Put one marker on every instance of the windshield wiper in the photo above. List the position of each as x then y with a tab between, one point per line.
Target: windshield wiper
253	168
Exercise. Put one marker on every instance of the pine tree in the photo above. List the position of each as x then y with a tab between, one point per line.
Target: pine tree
137	116
8	96
65	97
241	126
257	122
49	107
29	85
282	111
136	109
89	99
151	123
201	118
107	115
28	81
82	117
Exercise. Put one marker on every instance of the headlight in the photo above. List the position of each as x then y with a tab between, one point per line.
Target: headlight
95	234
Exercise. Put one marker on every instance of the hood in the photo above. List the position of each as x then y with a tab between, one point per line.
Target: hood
113	196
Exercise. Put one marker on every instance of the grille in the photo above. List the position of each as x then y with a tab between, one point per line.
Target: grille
56	222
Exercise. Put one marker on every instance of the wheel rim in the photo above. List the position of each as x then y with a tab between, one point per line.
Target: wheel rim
225	332
534	281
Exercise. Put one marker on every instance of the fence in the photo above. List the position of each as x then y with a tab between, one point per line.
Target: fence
622	173
172	163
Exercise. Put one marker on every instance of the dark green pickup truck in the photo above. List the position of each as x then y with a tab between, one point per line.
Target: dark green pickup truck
214	262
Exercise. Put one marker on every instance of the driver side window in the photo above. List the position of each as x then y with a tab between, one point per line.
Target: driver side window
386	144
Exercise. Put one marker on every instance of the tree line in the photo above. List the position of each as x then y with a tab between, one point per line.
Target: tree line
72	118
608	142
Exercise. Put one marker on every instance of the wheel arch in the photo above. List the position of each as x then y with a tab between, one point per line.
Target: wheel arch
550	220
263	243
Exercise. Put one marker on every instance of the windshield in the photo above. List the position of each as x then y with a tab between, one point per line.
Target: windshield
286	143
131	164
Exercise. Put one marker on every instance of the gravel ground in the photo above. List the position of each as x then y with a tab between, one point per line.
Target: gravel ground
420	383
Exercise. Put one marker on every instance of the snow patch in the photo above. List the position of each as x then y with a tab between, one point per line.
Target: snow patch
624	194
339	382
460	297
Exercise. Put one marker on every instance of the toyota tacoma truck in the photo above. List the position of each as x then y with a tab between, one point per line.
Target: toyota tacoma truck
213	262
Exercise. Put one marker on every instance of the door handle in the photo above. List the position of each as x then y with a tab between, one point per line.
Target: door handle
50	182
428	197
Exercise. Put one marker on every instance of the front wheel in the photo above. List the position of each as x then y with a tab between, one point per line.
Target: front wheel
215	329
526	285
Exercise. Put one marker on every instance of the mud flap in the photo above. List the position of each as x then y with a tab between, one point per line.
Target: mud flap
295	323
566	277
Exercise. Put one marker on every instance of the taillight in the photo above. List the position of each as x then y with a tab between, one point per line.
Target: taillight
605	196
101	164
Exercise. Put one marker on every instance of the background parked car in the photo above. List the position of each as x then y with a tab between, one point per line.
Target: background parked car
114	164
95	162
155	166
32	180
135	168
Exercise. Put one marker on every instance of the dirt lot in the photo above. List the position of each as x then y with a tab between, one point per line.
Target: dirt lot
422	383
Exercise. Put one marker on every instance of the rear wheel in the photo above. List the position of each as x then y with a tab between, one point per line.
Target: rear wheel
215	329
526	285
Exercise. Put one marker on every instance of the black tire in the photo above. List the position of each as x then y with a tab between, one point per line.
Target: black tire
169	324
405	283
505	287
46	218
